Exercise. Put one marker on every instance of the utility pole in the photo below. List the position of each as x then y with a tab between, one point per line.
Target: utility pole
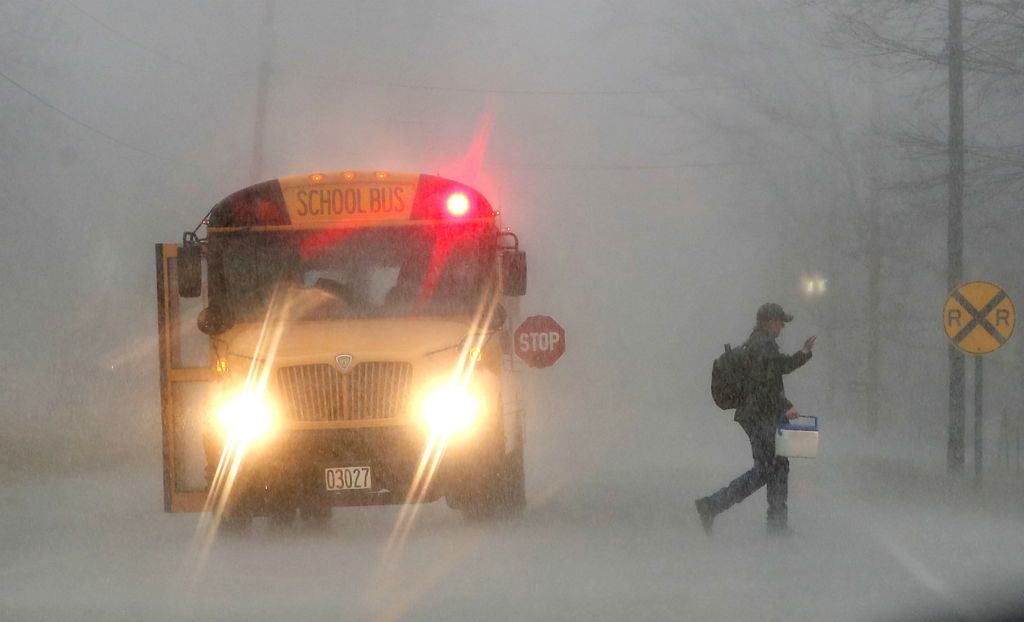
954	243
256	172
874	260
874	256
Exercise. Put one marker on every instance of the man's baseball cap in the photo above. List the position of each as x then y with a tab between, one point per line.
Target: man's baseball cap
772	311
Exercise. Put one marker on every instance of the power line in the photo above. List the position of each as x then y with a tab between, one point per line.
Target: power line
509	166
485	91
92	128
131	40
351	81
642	167
399	85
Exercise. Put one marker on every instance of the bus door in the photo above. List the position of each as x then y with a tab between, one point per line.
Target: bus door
186	375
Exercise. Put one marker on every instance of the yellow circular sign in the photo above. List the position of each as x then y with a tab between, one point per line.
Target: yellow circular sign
978	317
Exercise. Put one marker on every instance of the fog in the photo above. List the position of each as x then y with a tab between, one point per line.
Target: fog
668	168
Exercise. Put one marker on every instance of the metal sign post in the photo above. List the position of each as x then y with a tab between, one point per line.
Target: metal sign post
978	388
979	318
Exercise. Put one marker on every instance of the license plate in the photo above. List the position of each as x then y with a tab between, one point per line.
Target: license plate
347	478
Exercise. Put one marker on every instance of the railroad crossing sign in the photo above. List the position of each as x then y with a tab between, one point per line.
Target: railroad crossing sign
978	317
539	341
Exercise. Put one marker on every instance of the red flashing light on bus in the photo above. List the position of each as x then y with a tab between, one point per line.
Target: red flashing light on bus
458	204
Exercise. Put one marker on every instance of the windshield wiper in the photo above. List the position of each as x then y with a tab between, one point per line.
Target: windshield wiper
461	342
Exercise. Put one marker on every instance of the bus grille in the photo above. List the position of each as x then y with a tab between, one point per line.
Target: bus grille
374	390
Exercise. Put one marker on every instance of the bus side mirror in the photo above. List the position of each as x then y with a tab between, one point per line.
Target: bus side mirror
513	272
190	270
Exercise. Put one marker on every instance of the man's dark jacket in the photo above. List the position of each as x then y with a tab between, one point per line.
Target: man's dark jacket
764	397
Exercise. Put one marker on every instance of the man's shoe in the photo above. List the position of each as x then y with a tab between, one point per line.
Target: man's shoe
780	531
707	518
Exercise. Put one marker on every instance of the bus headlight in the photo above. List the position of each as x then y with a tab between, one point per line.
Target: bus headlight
449	410
246	417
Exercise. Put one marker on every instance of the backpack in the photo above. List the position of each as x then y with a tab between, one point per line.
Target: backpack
728	377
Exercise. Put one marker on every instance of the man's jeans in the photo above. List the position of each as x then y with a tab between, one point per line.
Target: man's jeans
768	470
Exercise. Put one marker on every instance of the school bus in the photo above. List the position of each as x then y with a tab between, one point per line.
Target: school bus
340	339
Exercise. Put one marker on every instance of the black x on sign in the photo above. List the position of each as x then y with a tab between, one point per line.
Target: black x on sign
978	317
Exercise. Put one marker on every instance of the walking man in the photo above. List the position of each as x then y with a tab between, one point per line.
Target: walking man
763	402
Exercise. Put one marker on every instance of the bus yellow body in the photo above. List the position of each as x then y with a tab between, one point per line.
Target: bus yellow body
342	339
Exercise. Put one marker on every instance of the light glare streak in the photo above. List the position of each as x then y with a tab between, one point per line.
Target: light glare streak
433	452
235	449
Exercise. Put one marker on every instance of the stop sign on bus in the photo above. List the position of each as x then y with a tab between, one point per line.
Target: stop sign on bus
539	341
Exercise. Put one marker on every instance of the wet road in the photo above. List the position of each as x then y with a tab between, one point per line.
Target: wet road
98	547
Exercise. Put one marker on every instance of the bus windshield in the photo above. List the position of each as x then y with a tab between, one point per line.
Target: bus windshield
374	272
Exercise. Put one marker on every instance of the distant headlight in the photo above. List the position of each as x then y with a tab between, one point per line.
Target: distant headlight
245	417
449	410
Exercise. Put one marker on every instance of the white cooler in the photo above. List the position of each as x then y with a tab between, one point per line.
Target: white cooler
797	439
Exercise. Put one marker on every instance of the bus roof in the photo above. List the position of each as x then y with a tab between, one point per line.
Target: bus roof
349	199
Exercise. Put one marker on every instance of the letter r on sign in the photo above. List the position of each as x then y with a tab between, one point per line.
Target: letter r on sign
954	314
